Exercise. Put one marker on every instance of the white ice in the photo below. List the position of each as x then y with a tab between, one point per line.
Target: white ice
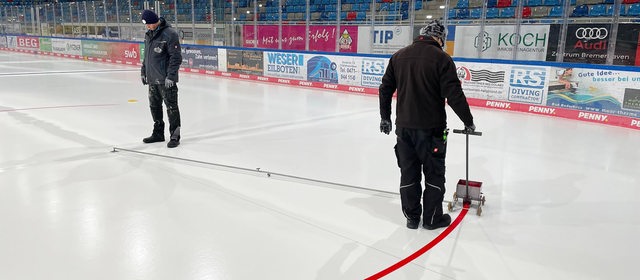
561	194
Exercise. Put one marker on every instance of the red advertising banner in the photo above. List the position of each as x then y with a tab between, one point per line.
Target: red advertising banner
127	53
321	37
28	43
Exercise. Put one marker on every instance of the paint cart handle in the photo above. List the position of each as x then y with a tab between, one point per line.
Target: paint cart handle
467	199
463	131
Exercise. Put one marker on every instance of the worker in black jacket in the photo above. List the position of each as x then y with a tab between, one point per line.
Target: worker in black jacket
425	78
160	66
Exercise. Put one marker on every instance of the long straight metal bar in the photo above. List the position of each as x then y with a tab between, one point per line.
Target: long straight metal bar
307	22
86	17
193	22
259	171
106	23
563	31
118	20
53	12
280	25
614	32
62	20
213	20
338	21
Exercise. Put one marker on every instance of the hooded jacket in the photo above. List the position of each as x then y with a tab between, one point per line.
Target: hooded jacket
162	54
425	78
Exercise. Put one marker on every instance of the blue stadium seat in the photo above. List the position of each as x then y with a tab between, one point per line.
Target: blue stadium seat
534	3
493	12
633	10
462	13
580	11
552	2
508	12
597	10
452	14
556	11
475	13
462	4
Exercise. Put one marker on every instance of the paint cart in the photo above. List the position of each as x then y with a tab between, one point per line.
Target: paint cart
468	191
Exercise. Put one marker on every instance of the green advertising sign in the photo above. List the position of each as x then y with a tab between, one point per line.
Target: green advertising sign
96	49
45	44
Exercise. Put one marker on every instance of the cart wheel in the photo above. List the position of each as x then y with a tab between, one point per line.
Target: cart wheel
479	211
450	206
483	200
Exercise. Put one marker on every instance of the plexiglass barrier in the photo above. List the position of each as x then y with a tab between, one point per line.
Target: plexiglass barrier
582	31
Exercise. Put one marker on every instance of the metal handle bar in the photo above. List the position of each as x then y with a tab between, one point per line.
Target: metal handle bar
462	131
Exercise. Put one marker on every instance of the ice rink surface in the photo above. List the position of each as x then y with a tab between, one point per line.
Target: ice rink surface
562	195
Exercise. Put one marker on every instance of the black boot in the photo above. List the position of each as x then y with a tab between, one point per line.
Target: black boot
175	138
155	137
445	221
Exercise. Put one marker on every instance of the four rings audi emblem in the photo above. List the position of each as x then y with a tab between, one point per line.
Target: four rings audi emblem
589	33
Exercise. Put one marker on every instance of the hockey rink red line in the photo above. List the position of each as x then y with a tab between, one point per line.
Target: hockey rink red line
424	249
56	107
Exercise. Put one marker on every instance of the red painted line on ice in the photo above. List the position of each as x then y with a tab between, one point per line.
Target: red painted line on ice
424	249
57	107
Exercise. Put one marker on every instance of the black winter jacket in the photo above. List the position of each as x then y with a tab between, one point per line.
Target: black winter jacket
425	76
162	54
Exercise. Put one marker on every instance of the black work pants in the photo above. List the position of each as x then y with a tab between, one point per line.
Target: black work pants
420	150
157	94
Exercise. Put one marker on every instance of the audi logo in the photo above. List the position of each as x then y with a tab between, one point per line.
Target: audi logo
588	33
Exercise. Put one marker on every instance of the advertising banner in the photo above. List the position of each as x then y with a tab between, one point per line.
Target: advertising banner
387	39
527	84
349	70
247	62
588	43
96	49
499	42
28	43
321	37
3	41
121	52
12	42
598	91
483	80
285	65
66	46
45	44
322	68
200	57
373	70
222	60
627	45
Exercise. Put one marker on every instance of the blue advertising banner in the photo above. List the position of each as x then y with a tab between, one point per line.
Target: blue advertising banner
322	69
600	91
200	57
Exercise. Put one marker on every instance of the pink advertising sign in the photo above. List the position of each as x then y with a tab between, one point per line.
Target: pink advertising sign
321	37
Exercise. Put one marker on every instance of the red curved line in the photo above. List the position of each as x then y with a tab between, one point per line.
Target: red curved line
424	249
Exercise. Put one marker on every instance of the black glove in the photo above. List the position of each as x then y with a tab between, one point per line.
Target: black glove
144	80
385	126
469	128
169	83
